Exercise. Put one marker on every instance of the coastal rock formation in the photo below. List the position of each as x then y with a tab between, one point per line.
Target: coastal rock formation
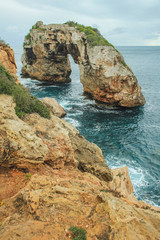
103	71
8	61
52	178
37	140
54	107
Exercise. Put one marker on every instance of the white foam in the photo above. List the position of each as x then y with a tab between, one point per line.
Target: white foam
74	122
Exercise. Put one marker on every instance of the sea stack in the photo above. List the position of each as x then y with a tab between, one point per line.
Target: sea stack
103	72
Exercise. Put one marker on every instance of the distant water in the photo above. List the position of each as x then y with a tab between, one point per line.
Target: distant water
128	137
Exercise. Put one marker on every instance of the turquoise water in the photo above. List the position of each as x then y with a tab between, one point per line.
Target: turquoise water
128	137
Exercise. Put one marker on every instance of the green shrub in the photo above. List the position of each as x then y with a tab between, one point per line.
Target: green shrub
25	101
94	38
36	26
28	176
28	36
2	42
78	233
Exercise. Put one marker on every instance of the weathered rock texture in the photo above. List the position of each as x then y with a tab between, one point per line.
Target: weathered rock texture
54	200
37	140
103	72
8	61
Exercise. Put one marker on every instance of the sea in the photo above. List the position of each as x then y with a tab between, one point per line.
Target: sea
127	137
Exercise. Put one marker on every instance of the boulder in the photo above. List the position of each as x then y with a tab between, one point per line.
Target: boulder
54	107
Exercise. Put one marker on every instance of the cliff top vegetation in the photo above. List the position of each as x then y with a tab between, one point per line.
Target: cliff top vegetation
25	101
94	37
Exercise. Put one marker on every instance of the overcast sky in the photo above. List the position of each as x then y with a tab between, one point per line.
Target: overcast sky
122	22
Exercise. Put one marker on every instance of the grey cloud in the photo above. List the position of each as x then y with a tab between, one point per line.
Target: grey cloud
123	22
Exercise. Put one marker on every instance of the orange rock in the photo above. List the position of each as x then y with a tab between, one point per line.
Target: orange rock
53	202
8	61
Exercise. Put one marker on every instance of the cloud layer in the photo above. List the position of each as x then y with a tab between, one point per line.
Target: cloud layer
123	22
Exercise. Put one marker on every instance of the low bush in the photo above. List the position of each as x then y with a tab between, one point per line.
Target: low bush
78	233
25	101
94	38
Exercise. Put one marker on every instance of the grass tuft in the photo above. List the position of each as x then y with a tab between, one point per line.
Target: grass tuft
78	233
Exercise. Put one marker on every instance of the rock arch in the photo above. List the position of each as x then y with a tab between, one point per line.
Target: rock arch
103	72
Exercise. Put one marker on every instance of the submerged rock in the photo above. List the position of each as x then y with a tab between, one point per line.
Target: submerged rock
103	71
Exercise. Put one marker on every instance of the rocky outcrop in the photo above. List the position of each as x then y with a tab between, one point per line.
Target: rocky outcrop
54	107
8	61
38	140
103	71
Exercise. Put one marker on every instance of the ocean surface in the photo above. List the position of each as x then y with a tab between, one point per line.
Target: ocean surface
127	137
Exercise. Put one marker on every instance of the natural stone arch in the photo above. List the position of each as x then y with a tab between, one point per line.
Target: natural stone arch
103	72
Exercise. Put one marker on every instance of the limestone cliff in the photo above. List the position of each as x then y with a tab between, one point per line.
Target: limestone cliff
8	61
103	71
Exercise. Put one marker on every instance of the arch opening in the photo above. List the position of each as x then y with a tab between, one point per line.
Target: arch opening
75	74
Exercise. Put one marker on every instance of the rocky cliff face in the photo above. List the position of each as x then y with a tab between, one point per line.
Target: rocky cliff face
38	140
52	178
103	72
8	61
